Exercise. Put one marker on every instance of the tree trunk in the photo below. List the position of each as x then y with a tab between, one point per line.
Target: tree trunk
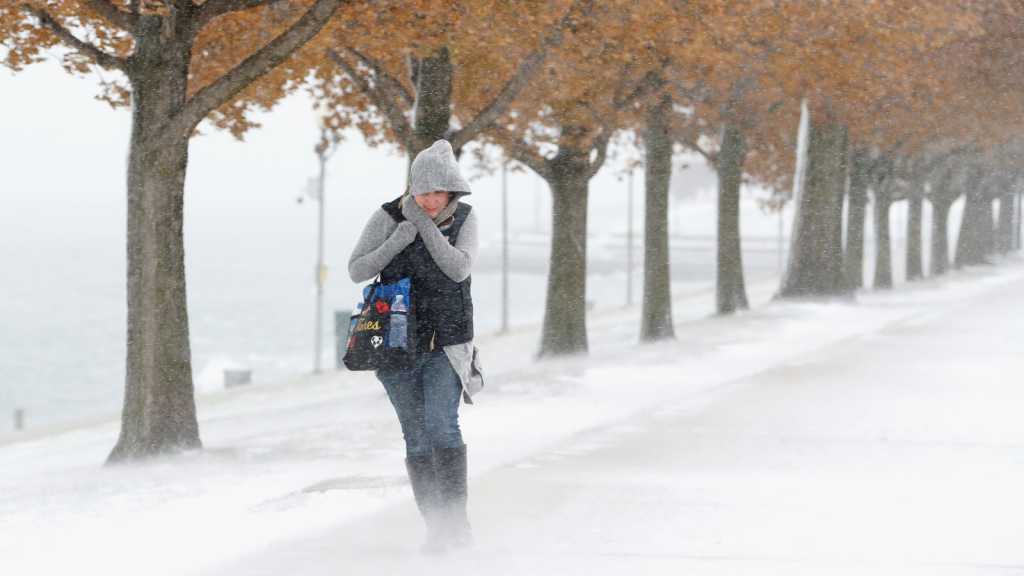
730	294
883	247
565	318
159	408
656	314
972	246
940	235
915	263
853	256
1004	243
815	267
159	412
432	110
988	227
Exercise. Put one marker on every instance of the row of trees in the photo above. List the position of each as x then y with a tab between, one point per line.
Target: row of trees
989	184
912	100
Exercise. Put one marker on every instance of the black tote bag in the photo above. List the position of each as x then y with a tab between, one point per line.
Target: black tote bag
382	331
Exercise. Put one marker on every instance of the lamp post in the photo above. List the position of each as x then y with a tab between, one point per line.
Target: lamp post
323	151
504	242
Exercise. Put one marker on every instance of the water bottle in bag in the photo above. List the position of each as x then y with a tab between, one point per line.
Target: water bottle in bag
399	305
398	331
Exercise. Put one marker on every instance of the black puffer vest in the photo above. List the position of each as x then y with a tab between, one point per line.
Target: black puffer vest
442	306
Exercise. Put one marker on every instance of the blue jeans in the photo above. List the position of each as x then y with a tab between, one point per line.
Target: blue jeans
426	398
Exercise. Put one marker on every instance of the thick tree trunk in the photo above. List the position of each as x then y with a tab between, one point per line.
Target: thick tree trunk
940	235
1004	241
565	318
988	227
915	258
731	293
883	246
815	267
159	409
853	256
975	240
656	314
159	412
432	111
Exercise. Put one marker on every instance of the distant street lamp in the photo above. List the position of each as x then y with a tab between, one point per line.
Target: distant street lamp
323	149
505	161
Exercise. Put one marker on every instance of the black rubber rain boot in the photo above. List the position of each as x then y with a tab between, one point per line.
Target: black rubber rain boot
450	464
426	491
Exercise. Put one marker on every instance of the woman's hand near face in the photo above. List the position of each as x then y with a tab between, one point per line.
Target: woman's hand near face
415	214
405	233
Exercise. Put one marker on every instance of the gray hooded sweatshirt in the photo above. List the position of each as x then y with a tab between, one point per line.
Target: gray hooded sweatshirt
433	169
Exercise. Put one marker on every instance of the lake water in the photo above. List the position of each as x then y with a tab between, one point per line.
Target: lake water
251	299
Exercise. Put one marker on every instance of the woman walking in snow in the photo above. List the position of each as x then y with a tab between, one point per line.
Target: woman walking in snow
427	235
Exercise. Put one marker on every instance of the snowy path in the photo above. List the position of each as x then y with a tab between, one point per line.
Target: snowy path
881	437
891	451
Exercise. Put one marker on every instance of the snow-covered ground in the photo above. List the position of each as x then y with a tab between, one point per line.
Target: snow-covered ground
882	437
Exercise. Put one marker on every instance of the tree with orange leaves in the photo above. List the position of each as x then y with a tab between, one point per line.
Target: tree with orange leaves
457	72
854	64
943	95
560	127
496	68
984	76
730	92
178	62
678	40
447	71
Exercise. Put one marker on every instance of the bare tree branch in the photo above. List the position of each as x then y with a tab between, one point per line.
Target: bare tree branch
711	157
501	103
383	77
517	148
526	70
384	102
252	68
108	61
688	141
111	13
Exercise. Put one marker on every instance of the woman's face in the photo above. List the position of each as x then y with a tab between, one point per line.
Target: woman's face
432	202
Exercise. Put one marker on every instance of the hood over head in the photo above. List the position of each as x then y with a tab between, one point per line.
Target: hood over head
437	169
